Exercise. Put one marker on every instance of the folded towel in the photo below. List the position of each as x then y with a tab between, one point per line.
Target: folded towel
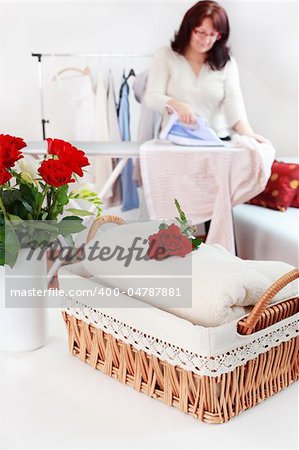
222	286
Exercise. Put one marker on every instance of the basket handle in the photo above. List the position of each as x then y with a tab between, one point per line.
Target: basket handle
97	223
250	322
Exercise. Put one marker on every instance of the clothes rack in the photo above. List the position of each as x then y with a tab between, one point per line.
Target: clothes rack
39	57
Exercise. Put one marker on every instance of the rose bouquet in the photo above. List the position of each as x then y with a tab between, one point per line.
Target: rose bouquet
33	196
173	240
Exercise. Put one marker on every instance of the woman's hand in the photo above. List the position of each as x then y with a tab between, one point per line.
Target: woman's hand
185	112
243	127
258	138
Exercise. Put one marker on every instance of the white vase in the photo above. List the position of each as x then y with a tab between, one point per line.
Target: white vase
23	319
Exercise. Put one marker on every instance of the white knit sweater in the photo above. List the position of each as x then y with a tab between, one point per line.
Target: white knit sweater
214	94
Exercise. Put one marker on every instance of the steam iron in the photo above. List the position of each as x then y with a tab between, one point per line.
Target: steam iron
196	135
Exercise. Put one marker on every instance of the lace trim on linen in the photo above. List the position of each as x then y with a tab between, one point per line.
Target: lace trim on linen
202	365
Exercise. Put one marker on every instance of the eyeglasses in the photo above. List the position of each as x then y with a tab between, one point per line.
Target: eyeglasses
202	35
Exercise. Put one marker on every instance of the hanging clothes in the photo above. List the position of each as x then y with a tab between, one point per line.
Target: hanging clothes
103	165
148	127
149	120
130	198
77	91
113	126
114	136
84	101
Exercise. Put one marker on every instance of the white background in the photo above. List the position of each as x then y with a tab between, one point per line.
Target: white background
263	39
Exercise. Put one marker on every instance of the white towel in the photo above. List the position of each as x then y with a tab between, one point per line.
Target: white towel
221	284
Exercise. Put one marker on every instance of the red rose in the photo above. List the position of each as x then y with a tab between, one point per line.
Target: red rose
68	154
10	147
73	158
54	145
168	242
55	173
13	140
4	175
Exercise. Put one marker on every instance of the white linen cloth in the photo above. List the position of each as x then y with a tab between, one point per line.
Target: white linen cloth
221	284
102	165
207	181
264	234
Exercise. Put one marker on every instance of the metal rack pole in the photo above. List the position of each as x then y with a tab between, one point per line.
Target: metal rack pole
41	93
102	55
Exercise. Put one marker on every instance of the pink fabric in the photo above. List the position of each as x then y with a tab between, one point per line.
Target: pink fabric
207	181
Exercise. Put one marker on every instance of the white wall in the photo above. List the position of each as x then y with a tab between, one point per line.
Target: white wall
264	41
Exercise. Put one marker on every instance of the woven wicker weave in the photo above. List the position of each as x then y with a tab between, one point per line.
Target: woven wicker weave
209	399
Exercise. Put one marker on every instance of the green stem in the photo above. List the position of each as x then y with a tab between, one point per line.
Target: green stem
53	205
2	207
42	201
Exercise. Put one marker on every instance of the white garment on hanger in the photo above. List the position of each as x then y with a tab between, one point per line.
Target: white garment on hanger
79	92
103	166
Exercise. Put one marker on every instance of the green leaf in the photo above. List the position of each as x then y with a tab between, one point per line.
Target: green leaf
196	243
89	196
10	197
2	254
15	204
27	190
181	212
38	224
163	226
2	234
12	246
80	212
27	206
40	238
15	219
70	225
70	241
185	228
61	195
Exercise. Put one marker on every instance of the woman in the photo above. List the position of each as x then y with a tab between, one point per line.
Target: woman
196	76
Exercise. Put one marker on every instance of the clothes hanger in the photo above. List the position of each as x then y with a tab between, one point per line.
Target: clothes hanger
131	74
85	71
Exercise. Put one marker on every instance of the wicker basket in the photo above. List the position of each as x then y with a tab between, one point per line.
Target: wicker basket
210	399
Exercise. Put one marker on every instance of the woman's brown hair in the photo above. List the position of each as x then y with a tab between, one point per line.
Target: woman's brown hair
219	54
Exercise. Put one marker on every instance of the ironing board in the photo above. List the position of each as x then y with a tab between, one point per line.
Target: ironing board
207	181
